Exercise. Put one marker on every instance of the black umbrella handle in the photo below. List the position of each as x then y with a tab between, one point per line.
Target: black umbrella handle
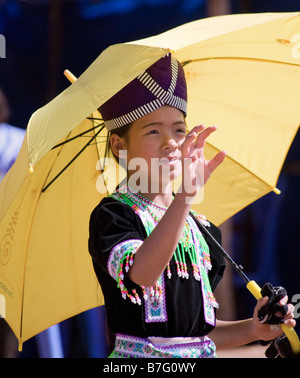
290	333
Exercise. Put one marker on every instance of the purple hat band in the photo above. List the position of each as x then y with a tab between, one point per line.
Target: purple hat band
161	84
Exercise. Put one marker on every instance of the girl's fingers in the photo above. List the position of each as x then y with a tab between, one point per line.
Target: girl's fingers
188	143
190	140
195	141
217	160
283	301
260	303
289	317
201	138
197	129
193	136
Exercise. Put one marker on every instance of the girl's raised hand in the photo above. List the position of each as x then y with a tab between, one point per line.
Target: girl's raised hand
196	170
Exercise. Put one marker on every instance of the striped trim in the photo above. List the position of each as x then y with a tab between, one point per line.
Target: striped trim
174	75
134	115
133	346
163	97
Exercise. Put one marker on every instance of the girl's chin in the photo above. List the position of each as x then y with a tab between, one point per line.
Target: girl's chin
161	180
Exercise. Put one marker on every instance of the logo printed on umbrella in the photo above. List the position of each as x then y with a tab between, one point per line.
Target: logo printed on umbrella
5	246
5	249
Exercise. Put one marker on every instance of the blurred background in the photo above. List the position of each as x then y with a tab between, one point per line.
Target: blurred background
44	37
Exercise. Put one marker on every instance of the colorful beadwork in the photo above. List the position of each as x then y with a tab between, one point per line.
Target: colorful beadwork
132	346
121	253
155	306
191	245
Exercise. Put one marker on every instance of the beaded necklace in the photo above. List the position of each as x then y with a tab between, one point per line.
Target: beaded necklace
186	245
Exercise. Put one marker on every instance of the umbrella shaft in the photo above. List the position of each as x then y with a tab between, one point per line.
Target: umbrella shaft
237	267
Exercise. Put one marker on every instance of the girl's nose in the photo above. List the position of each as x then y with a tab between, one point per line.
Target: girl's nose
169	143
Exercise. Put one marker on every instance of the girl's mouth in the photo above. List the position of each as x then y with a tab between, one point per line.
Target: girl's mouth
169	160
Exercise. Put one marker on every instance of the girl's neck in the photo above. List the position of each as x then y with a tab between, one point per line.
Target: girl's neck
162	198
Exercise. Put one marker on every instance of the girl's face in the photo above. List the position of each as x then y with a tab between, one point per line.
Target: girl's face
154	140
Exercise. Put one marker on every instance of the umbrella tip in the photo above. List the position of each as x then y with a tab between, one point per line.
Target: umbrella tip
276	190
72	78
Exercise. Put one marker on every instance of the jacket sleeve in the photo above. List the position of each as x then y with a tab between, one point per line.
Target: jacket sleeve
114	232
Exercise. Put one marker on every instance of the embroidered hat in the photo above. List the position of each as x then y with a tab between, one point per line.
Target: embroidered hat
163	83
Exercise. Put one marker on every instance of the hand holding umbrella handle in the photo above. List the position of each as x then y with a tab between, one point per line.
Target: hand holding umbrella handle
290	333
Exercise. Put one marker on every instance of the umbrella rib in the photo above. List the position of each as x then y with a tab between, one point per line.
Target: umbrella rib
238	58
77	136
73	159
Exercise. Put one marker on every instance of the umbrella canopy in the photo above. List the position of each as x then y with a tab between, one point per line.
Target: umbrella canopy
242	75
46	273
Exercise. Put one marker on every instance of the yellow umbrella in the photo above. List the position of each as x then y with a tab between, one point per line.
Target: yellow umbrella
243	75
46	274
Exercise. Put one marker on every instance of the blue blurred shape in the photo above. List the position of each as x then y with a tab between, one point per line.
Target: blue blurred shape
91	10
49	343
11	139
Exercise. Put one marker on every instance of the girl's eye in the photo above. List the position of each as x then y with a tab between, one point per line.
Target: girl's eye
152	132
181	130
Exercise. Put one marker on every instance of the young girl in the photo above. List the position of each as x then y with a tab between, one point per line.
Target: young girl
156	269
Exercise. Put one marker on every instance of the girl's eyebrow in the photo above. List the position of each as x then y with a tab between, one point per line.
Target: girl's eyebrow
152	124
158	123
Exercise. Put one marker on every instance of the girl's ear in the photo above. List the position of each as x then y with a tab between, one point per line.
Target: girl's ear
116	144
